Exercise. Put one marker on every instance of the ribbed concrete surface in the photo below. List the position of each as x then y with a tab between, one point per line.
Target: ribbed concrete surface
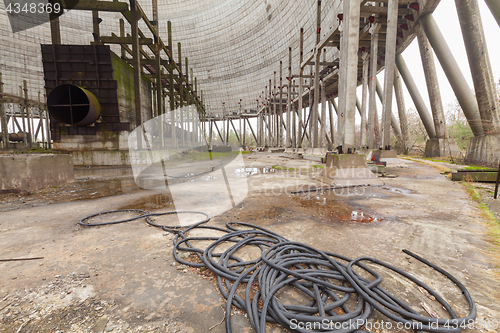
233	46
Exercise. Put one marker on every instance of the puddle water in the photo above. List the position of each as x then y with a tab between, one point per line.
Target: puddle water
396	190
255	171
333	209
152	202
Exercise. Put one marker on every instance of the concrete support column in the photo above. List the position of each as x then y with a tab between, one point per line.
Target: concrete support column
341	89
432	83
479	63
294	118
393	121
171	91
289	99
55	30
390	56
274	118
301	88
416	97
372	111
3	118
136	54
314	111
331	105
494	6
403	120
280	117
457	80
364	97
323	114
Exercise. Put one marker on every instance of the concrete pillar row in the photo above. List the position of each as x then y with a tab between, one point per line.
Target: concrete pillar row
431	80
348	72
479	63
455	76
416	97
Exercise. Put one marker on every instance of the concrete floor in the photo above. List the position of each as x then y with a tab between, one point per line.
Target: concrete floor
123	278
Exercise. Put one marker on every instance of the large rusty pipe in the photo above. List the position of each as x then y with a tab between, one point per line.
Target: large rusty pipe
73	105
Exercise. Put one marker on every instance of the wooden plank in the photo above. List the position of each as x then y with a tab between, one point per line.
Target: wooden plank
483	176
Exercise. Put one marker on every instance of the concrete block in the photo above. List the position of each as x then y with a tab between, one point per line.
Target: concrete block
348	169
441	148
484	150
31	172
101	157
387	154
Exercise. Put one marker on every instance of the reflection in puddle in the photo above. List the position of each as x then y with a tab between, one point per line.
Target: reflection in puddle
361	217
245	172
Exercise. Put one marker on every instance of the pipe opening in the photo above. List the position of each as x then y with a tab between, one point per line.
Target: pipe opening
73	105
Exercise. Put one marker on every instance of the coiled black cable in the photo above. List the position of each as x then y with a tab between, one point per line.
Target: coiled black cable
340	299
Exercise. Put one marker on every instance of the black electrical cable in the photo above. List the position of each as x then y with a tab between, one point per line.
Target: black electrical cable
339	299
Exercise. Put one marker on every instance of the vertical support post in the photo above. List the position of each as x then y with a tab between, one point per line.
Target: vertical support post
390	56
95	27
266	110
314	118
372	118
455	76
364	98
479	63
294	118
40	121
289	106
332	123
348	73
280	118
47	124
310	102
244	134
403	120
55	30
181	95
275	122
172	88
23	105
323	114
157	46
3	118
122	34
432	83
301	88
136	54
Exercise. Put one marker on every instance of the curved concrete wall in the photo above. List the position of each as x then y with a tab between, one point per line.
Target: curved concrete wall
233	46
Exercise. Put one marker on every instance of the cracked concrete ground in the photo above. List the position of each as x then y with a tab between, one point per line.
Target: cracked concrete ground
123	278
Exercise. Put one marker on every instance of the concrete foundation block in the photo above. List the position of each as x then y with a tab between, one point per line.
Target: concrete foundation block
348	170
367	152
442	148
484	150
31	172
101	157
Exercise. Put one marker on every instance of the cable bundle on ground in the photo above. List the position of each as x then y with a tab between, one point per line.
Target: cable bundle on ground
339	299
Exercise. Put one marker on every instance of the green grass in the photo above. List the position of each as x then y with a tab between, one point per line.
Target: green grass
493	225
476	167
318	166
277	167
